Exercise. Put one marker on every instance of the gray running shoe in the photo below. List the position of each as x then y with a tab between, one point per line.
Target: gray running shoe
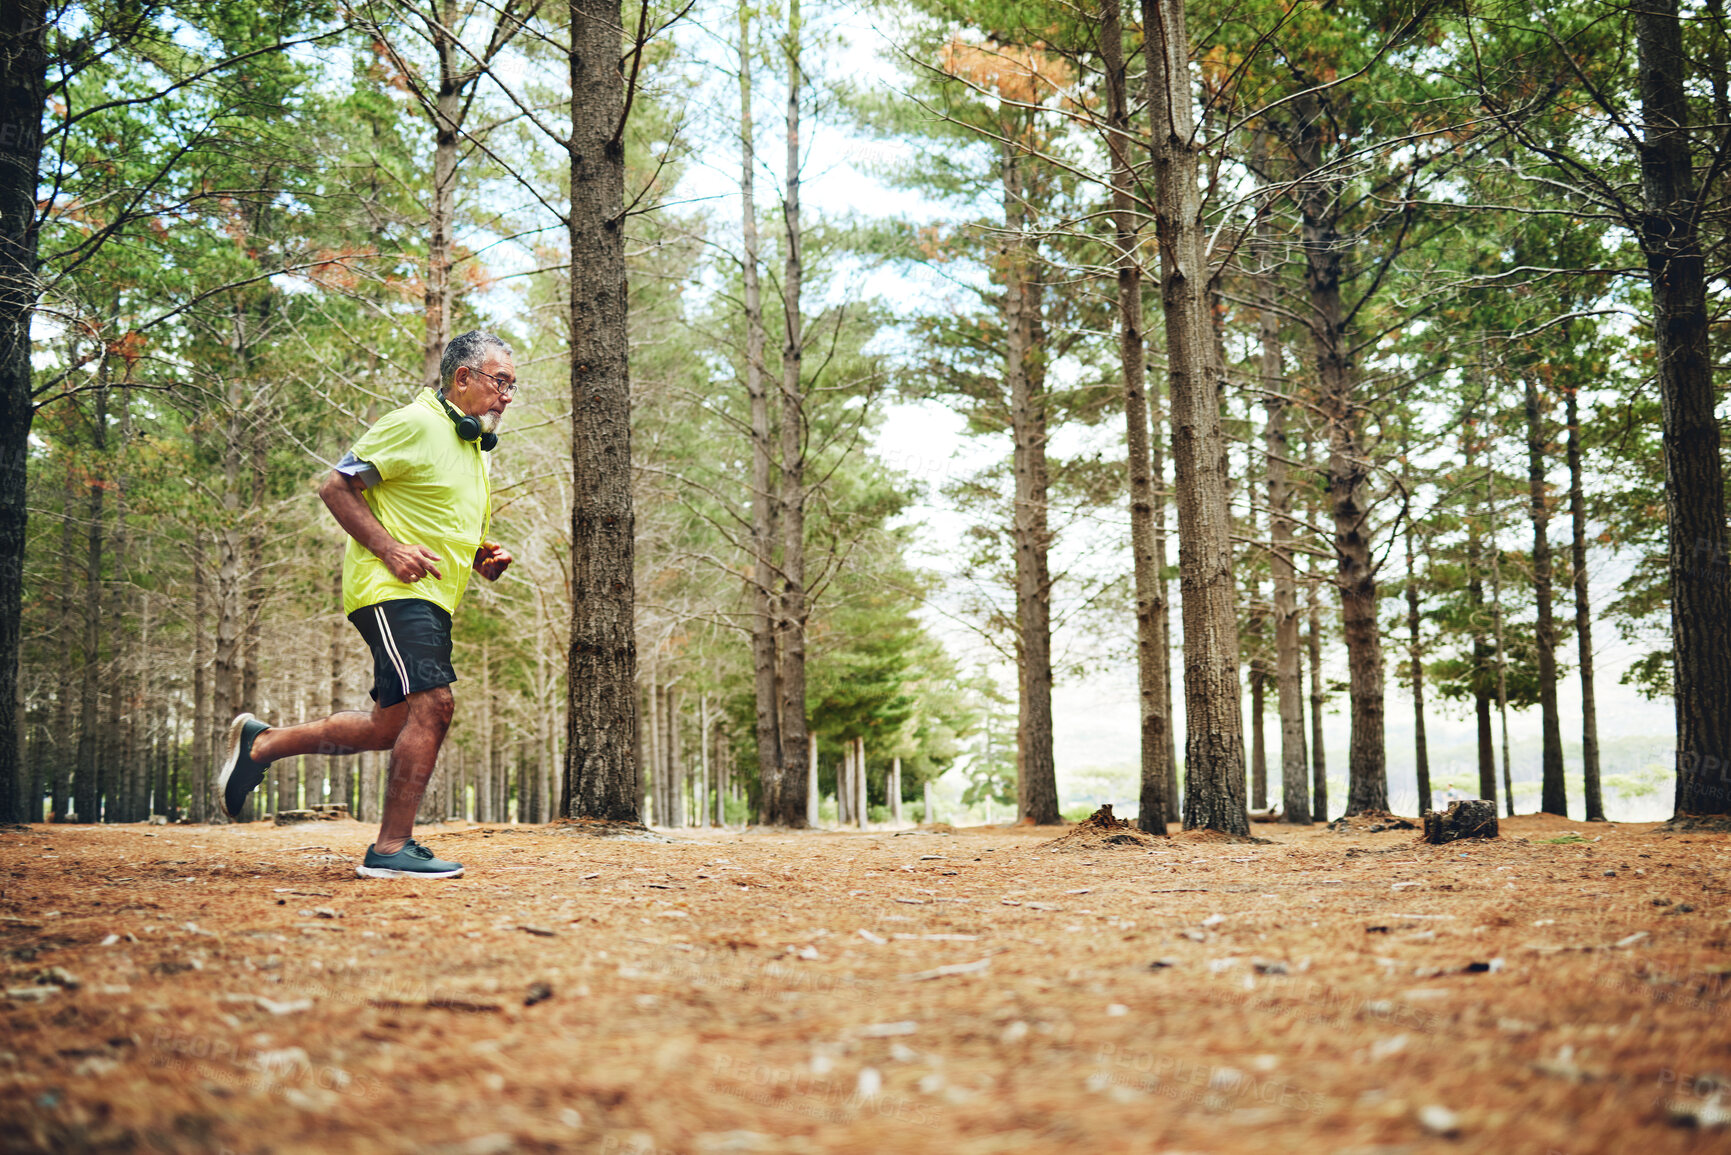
240	775
412	861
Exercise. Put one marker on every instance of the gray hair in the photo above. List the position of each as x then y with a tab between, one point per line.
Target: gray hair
467	351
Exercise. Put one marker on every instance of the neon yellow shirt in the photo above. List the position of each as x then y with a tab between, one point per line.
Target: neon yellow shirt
431	490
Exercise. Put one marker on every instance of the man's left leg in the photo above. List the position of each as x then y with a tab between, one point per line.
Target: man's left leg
252	746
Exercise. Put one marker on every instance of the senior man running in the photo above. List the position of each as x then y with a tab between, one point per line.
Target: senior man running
412	495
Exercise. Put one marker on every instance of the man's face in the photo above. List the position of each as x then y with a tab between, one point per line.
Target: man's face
478	393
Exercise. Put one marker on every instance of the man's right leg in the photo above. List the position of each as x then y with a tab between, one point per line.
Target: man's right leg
395	854
412	759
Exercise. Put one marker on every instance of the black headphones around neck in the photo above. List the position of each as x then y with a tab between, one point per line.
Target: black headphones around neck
468	428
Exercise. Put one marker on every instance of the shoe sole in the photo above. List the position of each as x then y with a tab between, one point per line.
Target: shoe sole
235	730
386	872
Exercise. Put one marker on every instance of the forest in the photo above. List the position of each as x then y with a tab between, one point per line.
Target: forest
1361	332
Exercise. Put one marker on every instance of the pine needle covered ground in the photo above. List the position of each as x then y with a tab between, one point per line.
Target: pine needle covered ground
237	989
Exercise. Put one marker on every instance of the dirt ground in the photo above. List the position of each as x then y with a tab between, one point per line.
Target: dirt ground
238	989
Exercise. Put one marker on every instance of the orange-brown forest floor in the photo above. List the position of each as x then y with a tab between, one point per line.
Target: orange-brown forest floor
238	989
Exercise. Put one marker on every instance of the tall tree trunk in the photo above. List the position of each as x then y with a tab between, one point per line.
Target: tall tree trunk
765	613
136	790
1214	722
1152	685
649	748
253	576
66	747
1163	600
335	787
23	99
543	736
202	722
167	735
844	796
1583	617
1415	654
124	708
1553	800
787	806
175	776
1258	736
1341	407
1313	646
1483	676
1289	688
485	792
87	793
230	594
1694	469
1501	651
446	117
1036	772
601	777
675	764
702	793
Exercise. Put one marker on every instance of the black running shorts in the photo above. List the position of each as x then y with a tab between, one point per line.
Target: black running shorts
411	644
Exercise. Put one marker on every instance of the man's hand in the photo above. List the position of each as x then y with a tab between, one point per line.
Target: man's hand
410	563
491	560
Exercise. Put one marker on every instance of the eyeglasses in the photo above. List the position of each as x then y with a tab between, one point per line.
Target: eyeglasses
507	390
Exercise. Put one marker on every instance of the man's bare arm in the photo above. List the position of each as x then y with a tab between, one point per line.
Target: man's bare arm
344	497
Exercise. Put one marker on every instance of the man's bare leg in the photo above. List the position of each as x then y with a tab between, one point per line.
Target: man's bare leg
412	757
346	733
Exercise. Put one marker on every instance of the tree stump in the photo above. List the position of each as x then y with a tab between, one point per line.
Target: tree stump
1474	818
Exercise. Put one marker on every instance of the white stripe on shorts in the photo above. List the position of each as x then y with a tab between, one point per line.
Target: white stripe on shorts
391	648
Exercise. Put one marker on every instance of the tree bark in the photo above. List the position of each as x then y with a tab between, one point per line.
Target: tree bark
700	808
764	621
1553	799
1318	753
66	747
649	747
842	793
123	668
164	735
1348	463
23	96
787	806
1415	654
543	699
1289	689
485	793
895	791
674	782
445	115
1481	667
226	679
1694	469
335	787
1214	723
1036	772
1163	600
87	793
601	778
202	721
1497	634
253	566
1583	617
